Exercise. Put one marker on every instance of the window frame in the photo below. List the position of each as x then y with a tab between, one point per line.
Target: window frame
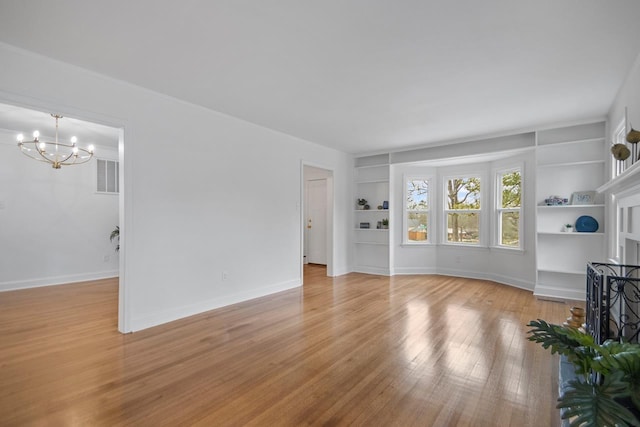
406	211
499	210
445	210
116	176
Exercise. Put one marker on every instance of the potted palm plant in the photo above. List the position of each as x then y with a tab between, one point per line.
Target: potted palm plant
115	235
606	387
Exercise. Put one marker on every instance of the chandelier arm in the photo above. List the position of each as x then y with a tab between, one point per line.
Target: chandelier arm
61	154
26	153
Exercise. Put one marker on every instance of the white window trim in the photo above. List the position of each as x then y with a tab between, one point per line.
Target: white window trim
117	176
619	137
429	211
497	210
482	227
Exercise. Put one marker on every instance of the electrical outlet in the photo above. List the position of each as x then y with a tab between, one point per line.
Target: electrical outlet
225	275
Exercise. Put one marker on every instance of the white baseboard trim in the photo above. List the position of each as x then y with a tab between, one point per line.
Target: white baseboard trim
559	294
513	282
498	278
58	280
154	319
414	270
372	270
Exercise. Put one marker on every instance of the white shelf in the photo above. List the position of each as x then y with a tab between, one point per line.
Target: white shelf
621	179
569	164
570	206
570	142
371	245
569	233
569	160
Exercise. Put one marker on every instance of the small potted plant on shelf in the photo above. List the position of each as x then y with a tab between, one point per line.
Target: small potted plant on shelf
361	204
385	223
568	228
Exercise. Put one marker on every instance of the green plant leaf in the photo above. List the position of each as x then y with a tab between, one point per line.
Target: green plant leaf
561	340
594	405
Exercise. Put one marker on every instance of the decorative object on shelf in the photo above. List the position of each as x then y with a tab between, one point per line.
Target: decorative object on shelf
379	225
385	223
56	153
379	207
364	225
583	198
567	228
555	201
385	205
361	204
621	153
586	224
576	320
367	207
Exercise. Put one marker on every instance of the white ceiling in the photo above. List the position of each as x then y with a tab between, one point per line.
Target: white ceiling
356	75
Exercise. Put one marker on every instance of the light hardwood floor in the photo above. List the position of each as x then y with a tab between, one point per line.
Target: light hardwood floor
354	350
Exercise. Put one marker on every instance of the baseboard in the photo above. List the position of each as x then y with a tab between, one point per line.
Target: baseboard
58	280
372	270
559	294
513	282
498	278
414	270
154	319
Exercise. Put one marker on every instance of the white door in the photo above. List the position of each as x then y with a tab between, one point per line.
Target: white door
316	221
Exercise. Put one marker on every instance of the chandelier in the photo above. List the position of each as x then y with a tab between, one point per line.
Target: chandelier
56	153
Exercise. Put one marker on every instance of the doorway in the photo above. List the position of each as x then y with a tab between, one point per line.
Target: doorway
317	217
71	197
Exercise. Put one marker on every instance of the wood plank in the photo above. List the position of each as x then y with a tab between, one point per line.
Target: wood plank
357	349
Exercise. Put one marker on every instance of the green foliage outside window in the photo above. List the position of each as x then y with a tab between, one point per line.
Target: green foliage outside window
511	192
463	194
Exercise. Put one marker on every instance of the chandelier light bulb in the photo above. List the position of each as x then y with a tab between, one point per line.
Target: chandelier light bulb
42	146
36	134
90	148
74	139
75	151
20	137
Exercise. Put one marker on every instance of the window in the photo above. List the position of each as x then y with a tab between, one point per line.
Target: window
416	210
107	177
508	197
462	210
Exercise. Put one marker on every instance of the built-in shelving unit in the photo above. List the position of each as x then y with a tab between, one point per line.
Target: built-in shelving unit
371	245
569	160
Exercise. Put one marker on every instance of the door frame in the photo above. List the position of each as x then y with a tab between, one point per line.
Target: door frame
330	216
124	205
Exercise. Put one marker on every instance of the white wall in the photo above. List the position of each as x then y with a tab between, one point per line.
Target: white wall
515	268
203	192
54	227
